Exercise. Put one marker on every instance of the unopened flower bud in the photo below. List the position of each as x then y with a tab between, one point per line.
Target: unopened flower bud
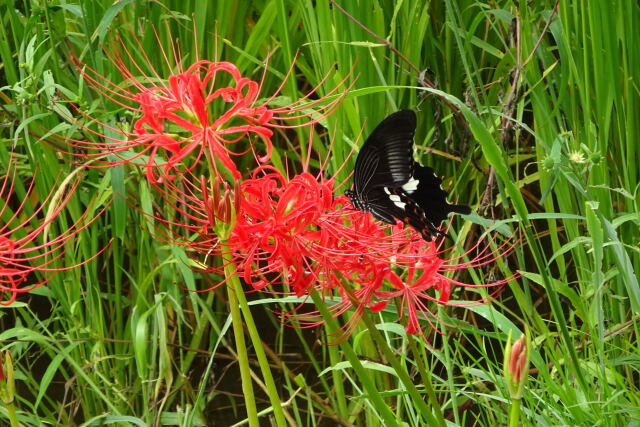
7	379
518	359
516	365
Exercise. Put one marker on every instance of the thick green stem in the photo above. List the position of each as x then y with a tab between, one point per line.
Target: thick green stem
514	416
233	289
240	301
401	372
11	414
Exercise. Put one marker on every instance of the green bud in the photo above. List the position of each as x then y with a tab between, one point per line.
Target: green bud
549	163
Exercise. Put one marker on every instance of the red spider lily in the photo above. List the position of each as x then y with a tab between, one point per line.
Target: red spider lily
414	278
296	233
208	109
25	246
278	229
426	281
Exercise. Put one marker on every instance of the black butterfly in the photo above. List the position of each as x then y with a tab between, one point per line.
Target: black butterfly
391	185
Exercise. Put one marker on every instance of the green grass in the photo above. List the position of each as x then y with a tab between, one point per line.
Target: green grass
538	111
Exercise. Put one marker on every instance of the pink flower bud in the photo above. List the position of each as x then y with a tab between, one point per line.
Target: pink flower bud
516	365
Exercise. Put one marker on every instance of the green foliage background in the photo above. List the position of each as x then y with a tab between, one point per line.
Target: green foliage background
537	105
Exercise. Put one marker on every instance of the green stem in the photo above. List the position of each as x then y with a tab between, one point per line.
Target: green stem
514	415
377	401
425	374
11	414
401	371
233	290
402	375
338	395
240	301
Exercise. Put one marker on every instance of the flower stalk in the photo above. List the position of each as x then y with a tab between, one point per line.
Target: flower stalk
234	288
239	305
385	411
224	210
401	371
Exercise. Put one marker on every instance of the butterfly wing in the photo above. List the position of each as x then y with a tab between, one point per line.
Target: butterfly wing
430	196
382	206
392	204
386	158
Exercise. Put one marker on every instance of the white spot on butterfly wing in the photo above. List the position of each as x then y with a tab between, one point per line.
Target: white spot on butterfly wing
397	200
411	185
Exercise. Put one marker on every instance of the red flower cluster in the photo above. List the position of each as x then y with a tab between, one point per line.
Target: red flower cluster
205	110
25	247
295	236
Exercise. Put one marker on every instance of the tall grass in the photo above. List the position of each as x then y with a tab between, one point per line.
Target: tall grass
529	108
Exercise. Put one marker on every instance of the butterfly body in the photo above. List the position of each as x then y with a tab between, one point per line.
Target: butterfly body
392	186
